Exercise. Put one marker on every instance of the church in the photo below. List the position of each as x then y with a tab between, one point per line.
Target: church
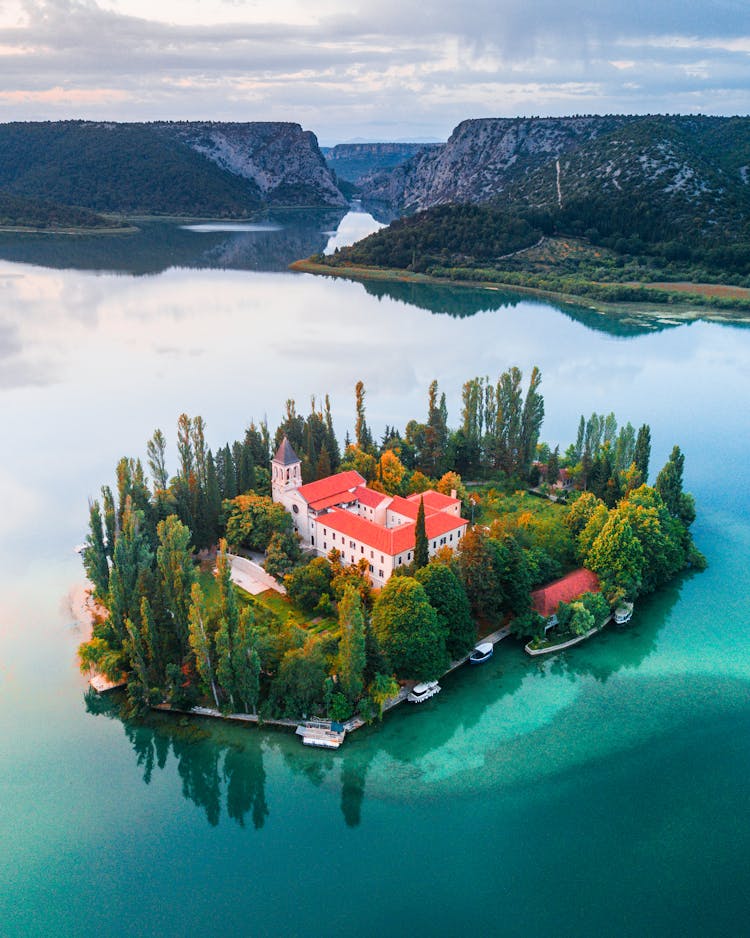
341	512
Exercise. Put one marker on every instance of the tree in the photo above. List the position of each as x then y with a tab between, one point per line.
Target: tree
352	644
246	664
253	519
553	466
155	450
408	630
200	639
447	597
478	574
421	544
361	431
642	453
306	585
391	472
174	560
228	624
95	560
617	558
282	554
669	486
383	688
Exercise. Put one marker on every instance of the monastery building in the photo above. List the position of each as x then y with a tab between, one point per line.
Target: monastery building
341	511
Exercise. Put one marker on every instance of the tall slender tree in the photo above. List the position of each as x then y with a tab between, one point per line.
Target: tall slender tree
421	544
352	645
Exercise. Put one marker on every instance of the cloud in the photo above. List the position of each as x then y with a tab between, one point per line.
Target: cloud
360	69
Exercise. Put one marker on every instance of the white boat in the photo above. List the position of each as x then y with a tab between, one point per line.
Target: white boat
321	734
481	653
623	613
423	691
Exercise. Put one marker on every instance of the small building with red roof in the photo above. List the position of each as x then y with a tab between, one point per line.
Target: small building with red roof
340	512
565	590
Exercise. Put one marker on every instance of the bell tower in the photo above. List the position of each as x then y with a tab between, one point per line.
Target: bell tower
286	471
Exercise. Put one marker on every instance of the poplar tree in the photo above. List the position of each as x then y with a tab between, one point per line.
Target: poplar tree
155	452
352	645
421	544
200	640
642	454
95	553
176	573
229	620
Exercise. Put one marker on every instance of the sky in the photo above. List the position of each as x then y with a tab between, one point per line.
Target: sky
385	70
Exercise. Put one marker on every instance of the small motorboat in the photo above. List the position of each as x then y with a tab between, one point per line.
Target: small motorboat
421	692
481	653
623	614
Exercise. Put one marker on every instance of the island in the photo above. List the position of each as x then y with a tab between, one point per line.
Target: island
282	578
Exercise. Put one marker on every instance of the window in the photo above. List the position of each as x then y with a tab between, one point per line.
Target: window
408	556
295	509
451	537
325	546
371	568
381	574
334	535
325	531
352	544
399	561
382	561
351	559
361	549
372	555
312	541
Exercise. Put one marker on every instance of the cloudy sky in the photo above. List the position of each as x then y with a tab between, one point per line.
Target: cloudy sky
391	69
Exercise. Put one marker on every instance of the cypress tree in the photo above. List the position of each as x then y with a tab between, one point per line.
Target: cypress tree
421	545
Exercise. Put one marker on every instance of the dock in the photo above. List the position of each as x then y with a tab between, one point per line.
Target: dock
103	685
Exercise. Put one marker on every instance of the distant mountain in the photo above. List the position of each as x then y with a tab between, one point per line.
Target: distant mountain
182	168
660	177
353	161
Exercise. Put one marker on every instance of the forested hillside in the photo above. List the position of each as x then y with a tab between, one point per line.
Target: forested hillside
16	212
216	170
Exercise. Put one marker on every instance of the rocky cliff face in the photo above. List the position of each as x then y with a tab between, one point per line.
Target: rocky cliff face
281	159
480	158
353	161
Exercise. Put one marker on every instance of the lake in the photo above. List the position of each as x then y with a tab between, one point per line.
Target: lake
601	791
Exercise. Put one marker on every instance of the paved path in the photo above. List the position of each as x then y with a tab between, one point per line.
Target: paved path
251	577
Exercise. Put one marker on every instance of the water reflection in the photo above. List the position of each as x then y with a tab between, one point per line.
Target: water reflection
462	301
158	246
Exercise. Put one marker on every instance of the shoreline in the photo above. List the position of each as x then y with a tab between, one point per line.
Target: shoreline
668	313
68	232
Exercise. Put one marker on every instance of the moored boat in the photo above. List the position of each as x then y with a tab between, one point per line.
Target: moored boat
623	613
321	734
481	653
423	691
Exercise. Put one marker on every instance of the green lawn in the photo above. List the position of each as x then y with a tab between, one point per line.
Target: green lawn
280	605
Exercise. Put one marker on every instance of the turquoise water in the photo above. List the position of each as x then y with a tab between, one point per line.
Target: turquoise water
603	791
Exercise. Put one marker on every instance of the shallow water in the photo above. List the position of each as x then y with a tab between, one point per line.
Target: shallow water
602	791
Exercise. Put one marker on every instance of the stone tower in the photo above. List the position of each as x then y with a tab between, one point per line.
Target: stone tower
286	471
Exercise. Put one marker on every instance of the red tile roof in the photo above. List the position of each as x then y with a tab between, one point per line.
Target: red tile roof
331	485
391	541
546	600
331	500
434	501
370	497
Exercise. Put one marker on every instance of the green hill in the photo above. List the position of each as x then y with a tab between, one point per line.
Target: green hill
18	212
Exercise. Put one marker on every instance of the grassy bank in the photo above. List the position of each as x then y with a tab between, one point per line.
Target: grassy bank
678	304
